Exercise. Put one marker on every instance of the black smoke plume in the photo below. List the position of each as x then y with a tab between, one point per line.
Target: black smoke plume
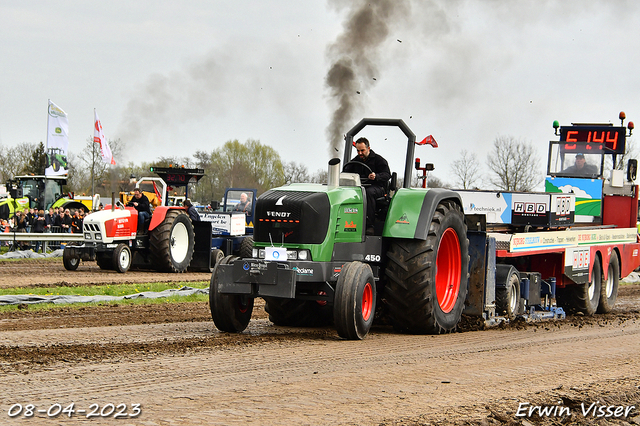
354	58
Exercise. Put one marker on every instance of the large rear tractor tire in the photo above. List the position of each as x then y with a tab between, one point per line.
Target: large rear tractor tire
122	258
172	242
230	312
427	281
354	304
70	261
507	291
297	313
609	290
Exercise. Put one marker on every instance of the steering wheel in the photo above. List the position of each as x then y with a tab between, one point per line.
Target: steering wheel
366	179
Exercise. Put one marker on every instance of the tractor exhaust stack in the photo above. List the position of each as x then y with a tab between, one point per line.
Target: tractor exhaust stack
334	173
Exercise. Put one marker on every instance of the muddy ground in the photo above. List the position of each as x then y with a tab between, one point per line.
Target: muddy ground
171	359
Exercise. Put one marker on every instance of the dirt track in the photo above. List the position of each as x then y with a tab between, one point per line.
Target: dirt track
170	359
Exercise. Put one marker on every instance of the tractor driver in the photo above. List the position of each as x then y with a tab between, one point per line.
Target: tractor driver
581	168
141	203
244	205
377	178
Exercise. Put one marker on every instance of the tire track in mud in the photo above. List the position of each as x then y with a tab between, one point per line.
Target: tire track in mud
326	380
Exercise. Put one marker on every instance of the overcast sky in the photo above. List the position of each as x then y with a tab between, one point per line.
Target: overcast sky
171	78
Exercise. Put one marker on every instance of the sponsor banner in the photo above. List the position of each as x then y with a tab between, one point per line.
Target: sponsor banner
225	223
495	206
531	241
57	141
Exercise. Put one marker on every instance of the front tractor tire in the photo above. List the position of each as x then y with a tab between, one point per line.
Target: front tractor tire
122	258
230	312
427	281
70	261
354	303
172	242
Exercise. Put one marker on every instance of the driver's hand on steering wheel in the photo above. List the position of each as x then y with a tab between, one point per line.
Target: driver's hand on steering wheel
372	176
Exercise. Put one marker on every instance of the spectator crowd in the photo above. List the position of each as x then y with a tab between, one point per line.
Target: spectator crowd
56	220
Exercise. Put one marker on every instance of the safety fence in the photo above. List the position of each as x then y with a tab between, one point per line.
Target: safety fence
15	239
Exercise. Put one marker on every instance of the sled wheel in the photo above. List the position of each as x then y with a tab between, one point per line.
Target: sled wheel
428	280
355	301
609	290
585	297
230	312
122	258
70	261
507	291
172	242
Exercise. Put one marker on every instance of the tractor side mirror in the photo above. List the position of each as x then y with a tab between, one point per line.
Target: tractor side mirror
429	167
632	169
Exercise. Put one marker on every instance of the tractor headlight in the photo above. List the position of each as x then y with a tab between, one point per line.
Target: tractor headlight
87	235
259	253
99	237
304	255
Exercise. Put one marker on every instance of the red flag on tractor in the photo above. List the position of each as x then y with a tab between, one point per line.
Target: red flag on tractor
429	140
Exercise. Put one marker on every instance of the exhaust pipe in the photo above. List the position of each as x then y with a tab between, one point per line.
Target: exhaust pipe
113	201
334	173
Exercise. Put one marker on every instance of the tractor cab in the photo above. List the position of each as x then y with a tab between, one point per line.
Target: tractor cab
41	191
391	186
156	189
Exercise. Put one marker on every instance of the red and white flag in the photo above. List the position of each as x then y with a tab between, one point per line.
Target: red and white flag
429	140
98	137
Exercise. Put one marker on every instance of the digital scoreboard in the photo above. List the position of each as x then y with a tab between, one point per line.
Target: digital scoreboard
613	138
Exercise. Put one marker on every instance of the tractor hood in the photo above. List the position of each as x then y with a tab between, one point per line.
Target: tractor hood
288	216
105	225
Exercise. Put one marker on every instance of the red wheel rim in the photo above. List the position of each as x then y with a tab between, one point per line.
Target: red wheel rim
367	301
448	264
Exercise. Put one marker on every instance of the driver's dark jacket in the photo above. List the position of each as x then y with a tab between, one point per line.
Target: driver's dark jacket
143	203
376	163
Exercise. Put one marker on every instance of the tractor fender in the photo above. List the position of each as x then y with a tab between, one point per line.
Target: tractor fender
65	203
412	209
159	213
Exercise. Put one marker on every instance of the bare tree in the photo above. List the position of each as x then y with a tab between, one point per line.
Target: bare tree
294	172
435	182
513	164
88	164
466	170
320	176
630	151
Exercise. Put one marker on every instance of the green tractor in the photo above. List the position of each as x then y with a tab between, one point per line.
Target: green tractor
314	264
40	192
56	158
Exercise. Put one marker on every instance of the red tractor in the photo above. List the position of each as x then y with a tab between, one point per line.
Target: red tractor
166	242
